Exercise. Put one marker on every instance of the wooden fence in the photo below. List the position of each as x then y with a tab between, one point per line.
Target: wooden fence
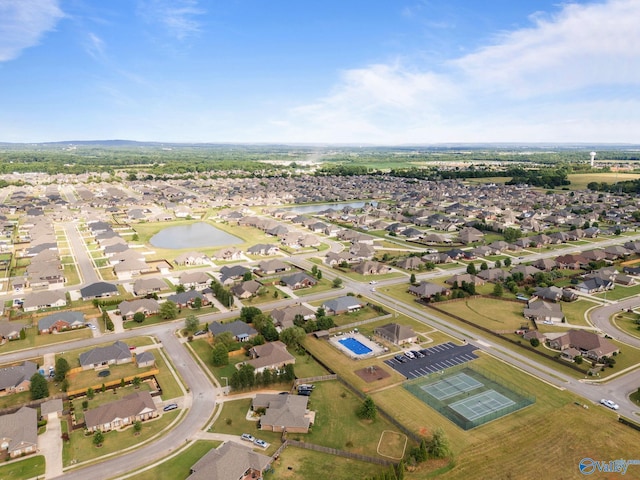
113	383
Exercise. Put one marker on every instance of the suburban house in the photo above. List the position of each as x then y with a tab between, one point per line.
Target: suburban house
246	289
186	299
284	317
230	461
19	432
16	378
341	305
138	406
541	311
115	354
129	308
396	333
465	278
146	286
192	258
10	330
283	412
270	267
56	322
554	294
589	344
240	330
272	355
426	290
263	249
371	267
98	290
595	285
197	280
45	299
298	280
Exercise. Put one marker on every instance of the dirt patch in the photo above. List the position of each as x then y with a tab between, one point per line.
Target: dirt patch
372	373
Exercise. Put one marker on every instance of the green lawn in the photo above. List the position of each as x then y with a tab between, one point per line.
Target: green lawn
81	447
575	311
102	398
33	340
494	314
167	381
553	424
301	464
619	292
579	181
626	322
30	467
178	467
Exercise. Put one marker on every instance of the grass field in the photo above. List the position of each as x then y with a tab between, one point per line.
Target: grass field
575	311
489	313
554	425
31	467
579	181
619	292
178	467
33	340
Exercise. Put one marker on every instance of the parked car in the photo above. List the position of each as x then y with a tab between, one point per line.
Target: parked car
260	443
417	353
248	437
200	332
171	406
400	358
610	403
409	354
132	347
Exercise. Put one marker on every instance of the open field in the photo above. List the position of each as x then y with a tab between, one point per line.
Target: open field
575	311
579	181
494	314
554	424
619	292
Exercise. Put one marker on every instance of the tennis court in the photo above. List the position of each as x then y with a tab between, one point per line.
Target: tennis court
451	386
481	404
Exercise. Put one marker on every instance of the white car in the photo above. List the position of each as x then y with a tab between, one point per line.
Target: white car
247	437
372	282
610	403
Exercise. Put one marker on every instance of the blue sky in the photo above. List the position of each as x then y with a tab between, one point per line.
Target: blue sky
349	71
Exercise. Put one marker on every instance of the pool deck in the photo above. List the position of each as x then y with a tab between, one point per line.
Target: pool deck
376	349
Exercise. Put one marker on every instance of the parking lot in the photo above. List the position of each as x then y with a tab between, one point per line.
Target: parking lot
435	359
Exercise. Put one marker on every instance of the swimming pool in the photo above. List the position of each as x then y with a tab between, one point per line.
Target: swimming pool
355	346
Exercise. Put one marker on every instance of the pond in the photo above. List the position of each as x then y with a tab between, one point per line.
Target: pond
194	235
318	207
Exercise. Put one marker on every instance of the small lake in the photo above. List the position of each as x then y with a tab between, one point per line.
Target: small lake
194	235
318	207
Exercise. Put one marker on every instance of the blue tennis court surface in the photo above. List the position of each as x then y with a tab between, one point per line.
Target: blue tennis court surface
452	386
355	346
481	404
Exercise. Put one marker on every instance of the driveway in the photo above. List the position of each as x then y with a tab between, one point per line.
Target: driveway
50	445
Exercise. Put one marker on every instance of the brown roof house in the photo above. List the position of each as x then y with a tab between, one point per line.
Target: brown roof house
230	461
115	354
396	334
284	412
16	378
285	316
19	432
589	344
270	356
129	308
426	290
542	311
138	406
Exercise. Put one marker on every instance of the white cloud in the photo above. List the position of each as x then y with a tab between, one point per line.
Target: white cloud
23	24
178	17
95	46
562	79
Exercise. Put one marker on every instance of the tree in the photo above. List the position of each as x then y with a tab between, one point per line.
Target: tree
292	336
220	355
61	369
314	270
497	264
471	269
484	266
91	393
247	314
368	409
438	446
137	427
98	438
507	262
39	387
139	317
337	282
534	342
319	275
498	290
136	382
247	276
578	359
23	334
180	288
321	312
224	338
412	279
169	310
197	303
108	324
191	323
